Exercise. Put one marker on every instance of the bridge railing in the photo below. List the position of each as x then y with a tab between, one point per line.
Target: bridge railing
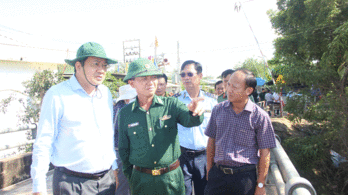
286	177
32	128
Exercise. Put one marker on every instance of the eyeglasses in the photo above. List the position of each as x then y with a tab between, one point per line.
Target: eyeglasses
189	74
103	66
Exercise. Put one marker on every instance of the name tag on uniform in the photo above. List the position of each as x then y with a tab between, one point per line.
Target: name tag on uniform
207	111
133	125
165	117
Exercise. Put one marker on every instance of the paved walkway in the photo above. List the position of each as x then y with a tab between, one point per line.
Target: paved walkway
24	187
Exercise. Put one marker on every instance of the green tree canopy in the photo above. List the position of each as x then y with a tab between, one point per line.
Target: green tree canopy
312	50
257	66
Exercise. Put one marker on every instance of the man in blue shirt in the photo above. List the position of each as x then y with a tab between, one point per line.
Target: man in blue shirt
193	142
75	131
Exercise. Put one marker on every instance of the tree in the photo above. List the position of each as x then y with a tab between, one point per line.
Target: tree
256	66
113	84
312	52
35	89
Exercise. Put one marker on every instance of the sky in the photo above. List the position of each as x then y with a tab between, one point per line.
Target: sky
210	32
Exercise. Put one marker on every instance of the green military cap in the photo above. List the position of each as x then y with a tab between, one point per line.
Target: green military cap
90	49
140	68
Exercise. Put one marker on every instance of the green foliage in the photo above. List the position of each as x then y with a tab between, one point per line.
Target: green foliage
306	150
312	52
113	84
5	102
257	66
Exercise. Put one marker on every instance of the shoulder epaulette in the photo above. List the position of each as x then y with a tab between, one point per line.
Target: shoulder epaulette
176	95
210	95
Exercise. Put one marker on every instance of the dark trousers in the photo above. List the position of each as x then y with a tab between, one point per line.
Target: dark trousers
123	186
65	184
219	183
194	169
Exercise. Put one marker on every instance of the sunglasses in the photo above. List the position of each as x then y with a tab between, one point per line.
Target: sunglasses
189	74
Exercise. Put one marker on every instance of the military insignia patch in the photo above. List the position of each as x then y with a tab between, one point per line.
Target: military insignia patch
133	125
165	117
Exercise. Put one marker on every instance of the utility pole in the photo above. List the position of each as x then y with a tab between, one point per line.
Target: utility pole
67	53
178	57
156	45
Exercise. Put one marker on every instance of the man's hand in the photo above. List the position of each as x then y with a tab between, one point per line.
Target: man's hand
116	178
208	169
196	106
260	191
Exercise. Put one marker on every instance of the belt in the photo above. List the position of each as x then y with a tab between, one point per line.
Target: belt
159	171
192	152
234	170
94	176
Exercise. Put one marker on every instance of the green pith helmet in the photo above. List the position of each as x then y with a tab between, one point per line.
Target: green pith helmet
140	68
90	49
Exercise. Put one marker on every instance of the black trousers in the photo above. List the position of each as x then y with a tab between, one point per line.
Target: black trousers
65	184
193	166
219	183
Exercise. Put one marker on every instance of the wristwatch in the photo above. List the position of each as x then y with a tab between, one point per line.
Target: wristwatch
260	185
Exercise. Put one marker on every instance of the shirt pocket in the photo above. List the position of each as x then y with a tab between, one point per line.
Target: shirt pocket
138	137
166	125
245	137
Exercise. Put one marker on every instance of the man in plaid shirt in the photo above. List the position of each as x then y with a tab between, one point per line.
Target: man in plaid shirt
240	137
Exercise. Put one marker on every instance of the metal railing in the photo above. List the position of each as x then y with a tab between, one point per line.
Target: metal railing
18	144
287	179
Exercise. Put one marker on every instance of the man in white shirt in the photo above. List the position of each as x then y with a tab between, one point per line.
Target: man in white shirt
269	100
75	131
276	100
193	142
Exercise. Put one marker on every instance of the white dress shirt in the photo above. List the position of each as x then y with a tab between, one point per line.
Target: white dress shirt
75	131
194	138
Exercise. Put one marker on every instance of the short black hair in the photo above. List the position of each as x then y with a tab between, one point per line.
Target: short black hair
82	63
226	72
250	79
163	76
217	83
198	66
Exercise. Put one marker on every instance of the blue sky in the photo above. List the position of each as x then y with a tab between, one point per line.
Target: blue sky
210	32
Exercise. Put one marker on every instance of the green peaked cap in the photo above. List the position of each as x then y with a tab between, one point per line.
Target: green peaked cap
140	68
90	49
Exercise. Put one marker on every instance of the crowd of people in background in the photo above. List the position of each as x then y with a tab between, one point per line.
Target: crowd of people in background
150	141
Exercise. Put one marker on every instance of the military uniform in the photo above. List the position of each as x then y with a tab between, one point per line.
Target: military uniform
222	97
148	140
